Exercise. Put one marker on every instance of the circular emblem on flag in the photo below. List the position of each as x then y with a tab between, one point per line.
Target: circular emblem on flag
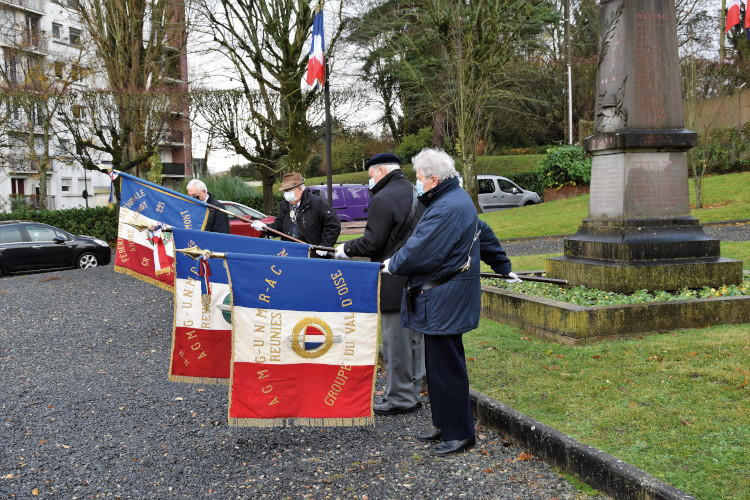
225	306
311	338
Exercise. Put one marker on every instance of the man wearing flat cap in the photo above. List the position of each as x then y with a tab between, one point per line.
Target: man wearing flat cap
394	212
303	216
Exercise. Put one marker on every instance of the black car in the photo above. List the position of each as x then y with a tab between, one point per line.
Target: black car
32	246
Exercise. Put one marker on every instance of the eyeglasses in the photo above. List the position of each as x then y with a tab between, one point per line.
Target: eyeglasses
196	196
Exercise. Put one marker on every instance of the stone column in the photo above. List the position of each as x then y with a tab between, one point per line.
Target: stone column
639	232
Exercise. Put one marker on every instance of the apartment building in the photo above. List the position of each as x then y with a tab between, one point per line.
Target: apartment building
46	36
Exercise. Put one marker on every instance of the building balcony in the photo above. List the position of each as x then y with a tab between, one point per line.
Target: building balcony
32	6
173	169
174	138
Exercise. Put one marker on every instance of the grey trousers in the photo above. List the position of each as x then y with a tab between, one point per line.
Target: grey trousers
403	351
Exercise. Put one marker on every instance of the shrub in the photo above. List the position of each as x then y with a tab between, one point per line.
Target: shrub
414	143
256	202
565	166
224	187
531	181
99	222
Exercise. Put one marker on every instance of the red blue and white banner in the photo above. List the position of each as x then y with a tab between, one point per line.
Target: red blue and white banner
143	251
202	332
316	62
304	341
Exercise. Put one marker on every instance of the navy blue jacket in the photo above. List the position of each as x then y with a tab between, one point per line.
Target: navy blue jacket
439	245
492	252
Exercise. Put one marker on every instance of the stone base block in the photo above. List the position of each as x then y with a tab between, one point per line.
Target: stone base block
571	324
627	277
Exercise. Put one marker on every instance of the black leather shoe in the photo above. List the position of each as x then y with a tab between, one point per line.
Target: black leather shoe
391	409
456	446
432	435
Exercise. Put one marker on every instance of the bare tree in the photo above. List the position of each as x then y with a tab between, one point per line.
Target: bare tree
132	109
266	44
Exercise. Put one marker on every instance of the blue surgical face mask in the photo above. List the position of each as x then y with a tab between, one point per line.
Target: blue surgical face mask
372	182
420	187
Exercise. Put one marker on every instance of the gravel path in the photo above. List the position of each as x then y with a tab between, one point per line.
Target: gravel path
554	244
88	412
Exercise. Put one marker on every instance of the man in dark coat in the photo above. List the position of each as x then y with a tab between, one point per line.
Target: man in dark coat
442	298
304	216
391	217
217	222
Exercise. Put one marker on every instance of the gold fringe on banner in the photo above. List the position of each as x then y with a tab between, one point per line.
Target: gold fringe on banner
133	274
198	380
301	422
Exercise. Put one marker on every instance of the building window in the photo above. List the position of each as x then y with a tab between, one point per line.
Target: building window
65	185
56	31
73	4
74	36
11	65
59	68
83	185
62	147
79	111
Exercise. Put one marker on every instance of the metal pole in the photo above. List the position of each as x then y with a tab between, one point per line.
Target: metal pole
328	135
569	56
722	33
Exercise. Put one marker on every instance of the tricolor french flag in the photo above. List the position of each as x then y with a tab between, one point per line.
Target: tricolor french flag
316	63
733	13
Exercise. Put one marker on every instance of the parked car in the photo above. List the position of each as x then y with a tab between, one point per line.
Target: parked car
27	246
349	200
241	228
498	193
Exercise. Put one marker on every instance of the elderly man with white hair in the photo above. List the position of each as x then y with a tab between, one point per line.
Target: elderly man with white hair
442	298
218	222
392	215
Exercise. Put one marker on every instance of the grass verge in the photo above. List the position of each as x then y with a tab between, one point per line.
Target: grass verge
676	405
726	197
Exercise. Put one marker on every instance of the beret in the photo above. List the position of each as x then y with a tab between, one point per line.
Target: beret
382	159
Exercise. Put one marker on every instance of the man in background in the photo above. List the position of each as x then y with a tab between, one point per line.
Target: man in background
393	213
218	222
304	216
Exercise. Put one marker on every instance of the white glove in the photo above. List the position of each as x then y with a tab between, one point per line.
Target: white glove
258	225
321	253
341	253
513	278
385	267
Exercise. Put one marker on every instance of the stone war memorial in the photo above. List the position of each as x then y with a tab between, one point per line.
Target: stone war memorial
639	233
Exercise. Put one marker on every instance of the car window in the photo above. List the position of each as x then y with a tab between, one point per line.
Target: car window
505	186
359	195
234	209
338	199
10	235
41	233
486	186
62	234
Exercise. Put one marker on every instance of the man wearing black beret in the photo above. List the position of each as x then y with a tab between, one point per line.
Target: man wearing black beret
394	212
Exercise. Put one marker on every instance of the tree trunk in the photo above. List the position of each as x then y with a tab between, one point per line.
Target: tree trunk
267	179
438	129
469	158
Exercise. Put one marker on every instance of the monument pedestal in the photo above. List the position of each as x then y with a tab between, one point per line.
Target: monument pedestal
639	233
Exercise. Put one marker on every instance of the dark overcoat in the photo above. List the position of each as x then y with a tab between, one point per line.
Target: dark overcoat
389	210
217	222
317	222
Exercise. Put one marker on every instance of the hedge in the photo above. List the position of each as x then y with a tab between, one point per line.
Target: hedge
99	222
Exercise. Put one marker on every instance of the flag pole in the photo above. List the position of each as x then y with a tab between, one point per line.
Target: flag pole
329	176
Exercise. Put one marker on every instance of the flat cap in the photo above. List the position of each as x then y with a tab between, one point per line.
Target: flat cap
383	159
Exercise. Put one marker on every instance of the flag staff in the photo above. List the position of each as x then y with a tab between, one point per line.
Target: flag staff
327	100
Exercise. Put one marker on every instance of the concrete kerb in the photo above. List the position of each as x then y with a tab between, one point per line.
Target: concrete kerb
596	468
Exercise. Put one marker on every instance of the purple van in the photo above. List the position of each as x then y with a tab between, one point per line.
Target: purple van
349	200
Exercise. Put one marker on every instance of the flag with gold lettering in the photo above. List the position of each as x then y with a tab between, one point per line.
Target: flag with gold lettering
304	342
143	251
202	332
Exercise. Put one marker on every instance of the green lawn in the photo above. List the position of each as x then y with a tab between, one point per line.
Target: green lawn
727	197
676	405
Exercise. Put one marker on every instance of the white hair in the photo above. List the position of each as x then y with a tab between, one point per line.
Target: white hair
197	184
388	167
434	162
